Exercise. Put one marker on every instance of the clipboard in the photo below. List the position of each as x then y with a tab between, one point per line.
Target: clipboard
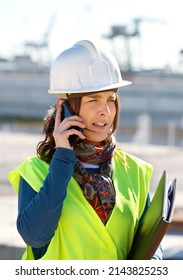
155	222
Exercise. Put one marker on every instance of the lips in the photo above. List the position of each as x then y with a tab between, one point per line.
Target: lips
100	124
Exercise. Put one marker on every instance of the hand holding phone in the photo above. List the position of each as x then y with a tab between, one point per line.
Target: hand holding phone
68	112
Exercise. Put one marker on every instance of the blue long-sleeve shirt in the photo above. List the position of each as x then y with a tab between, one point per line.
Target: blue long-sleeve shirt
39	213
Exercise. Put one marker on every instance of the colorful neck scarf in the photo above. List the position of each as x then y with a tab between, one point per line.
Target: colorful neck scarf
97	187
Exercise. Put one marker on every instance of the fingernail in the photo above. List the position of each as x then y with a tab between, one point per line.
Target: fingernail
58	102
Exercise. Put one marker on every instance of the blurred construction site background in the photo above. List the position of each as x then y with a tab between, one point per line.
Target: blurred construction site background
151	119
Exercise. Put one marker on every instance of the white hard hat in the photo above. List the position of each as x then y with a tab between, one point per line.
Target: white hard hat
81	69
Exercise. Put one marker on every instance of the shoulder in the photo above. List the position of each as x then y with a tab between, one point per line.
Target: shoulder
36	163
33	170
131	161
137	171
32	164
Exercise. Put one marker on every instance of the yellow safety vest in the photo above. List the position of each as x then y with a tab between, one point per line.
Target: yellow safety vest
80	234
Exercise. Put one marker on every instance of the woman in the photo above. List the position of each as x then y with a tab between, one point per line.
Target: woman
83	199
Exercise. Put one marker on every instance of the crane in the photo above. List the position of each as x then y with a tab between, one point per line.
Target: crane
127	33
43	44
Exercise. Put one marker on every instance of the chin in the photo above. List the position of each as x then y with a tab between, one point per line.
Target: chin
95	137
95	141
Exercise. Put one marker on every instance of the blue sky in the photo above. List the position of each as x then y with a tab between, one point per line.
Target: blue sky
160	30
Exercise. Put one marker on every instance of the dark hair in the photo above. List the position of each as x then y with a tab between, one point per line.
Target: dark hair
46	148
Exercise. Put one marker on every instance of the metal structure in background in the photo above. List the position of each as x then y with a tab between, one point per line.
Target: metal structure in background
151	108
36	48
152	104
127	32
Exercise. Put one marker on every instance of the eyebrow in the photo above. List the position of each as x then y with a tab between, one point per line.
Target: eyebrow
96	95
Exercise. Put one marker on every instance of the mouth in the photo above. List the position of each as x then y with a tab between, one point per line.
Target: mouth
99	124
98	127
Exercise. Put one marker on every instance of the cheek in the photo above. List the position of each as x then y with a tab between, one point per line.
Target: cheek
113	111
87	112
85	115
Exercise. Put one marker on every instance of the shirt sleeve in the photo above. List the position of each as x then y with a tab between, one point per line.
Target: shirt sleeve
39	213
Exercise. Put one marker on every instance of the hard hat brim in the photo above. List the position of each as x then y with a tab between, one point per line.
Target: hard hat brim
65	93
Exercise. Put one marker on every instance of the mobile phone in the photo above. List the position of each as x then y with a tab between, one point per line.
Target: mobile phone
68	112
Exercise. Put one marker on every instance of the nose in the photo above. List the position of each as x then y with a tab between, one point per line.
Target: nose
104	109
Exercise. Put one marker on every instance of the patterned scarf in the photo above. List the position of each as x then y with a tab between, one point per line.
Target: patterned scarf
97	187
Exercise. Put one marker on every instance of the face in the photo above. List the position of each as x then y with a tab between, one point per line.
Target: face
98	111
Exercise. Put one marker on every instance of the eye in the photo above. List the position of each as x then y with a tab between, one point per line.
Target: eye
112	99
91	100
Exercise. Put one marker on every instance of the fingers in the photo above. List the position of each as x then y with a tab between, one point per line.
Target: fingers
67	128
73	131
64	129
59	102
75	121
58	112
